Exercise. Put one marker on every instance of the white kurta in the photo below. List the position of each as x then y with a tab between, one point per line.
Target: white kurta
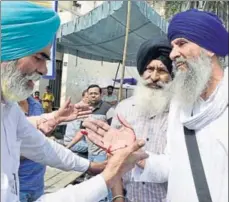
174	165
18	136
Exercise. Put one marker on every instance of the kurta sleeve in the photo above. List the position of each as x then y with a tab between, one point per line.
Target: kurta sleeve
37	147
156	169
92	190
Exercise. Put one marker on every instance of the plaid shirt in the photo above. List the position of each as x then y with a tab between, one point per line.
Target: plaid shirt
153	130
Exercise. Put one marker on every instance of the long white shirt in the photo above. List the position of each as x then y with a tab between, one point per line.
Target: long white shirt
174	164
18	136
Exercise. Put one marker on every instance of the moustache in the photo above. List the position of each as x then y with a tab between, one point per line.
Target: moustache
158	84
34	77
179	61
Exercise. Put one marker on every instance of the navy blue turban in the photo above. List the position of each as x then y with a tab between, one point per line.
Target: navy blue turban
201	27
154	49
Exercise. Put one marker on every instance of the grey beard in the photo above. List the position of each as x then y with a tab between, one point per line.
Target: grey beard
151	101
189	85
14	83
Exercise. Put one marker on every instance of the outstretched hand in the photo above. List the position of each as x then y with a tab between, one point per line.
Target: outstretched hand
123	161
108	138
69	112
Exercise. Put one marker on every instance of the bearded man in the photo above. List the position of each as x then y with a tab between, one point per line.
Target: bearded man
195	161
147	113
27	33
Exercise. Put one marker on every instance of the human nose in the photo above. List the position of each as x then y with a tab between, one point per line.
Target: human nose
154	76
174	54
42	69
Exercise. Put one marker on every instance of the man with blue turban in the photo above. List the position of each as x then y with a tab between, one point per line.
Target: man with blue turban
27	33
196	159
195	162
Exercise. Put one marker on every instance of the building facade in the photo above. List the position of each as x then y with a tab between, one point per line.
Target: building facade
74	74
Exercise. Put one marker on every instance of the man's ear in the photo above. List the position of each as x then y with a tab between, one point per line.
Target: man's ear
209	53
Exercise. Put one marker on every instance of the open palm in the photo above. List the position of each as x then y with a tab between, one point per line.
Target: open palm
108	138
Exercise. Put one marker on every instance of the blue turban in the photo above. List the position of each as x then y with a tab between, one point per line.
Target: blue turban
26	29
201	27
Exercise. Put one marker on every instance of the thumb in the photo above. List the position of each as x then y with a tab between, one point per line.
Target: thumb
136	146
139	156
123	121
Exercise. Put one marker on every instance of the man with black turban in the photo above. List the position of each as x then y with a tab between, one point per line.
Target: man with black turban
27	33
147	113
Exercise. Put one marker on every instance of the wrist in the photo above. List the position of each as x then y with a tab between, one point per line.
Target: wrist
108	178
56	117
118	198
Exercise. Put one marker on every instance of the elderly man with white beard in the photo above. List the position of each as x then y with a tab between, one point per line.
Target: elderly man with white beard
27	33
196	158
195	161
147	112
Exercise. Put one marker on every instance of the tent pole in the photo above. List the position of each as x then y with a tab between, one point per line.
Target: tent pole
125	48
116	74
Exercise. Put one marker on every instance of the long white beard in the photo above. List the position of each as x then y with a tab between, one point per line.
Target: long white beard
189	85
14	84
151	101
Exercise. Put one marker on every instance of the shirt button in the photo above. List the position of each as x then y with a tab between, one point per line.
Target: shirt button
147	139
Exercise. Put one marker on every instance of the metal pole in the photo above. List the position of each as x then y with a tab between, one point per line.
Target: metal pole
125	49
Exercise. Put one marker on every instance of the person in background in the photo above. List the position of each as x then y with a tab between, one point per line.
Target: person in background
37	96
47	100
110	98
31	174
101	111
73	128
25	48
147	113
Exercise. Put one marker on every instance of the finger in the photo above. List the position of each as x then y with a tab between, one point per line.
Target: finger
96	139
123	121
90	126
84	113
102	124
94	125
82	107
82	117
67	102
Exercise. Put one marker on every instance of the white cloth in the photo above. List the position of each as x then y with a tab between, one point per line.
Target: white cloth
18	136
212	139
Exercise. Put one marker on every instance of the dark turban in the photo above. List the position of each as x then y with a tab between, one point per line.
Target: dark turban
201	27
154	49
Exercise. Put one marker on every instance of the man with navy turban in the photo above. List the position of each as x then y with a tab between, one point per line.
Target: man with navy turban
27	34
195	162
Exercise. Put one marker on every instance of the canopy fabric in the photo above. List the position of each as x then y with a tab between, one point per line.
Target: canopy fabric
100	34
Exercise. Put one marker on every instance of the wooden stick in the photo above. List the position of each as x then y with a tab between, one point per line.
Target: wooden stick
125	49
